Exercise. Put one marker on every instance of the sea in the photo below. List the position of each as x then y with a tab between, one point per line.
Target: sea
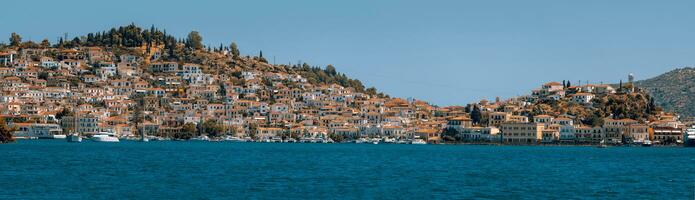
56	169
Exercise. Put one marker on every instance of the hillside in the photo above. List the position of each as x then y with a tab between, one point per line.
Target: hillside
674	91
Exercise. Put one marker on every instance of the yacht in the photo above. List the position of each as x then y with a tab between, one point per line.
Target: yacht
74	138
418	141
689	137
275	139
104	137
59	136
361	140
201	138
290	140
389	140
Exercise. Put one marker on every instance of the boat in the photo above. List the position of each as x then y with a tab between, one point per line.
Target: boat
201	138
74	138
602	144
361	140
389	140
418	141
689	139
290	140
275	139
104	137
647	143
59	136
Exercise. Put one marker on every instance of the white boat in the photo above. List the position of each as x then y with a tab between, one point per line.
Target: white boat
389	140
647	143
104	137
74	138
602	144
361	140
290	140
276	139
201	138
689	137
59	136
418	141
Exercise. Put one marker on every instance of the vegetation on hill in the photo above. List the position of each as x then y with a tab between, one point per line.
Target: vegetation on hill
132	39
633	105
5	133
674	90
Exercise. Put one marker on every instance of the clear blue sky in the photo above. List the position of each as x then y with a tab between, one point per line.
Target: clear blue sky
445	52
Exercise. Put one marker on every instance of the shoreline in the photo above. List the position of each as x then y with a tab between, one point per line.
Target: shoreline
369	143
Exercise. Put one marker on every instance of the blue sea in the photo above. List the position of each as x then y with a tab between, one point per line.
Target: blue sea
55	169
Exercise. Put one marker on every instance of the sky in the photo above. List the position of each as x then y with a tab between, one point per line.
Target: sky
445	52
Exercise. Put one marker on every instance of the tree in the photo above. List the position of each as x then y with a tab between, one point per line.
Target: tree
330	70
187	131
194	40
212	128
15	40
45	43
63	113
5	132
476	115
234	49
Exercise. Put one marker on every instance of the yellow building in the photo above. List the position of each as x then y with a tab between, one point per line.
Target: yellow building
514	132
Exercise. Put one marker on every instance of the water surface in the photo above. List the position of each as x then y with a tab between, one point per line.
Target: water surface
45	169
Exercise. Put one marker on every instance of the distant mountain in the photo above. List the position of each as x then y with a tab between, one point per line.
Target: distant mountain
674	91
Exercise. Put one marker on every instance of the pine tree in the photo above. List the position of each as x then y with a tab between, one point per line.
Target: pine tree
476	115
15	40
234	49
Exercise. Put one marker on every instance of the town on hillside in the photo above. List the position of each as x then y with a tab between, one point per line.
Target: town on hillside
132	83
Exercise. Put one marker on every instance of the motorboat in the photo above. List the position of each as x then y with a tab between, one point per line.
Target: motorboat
59	136
74	138
104	137
418	141
201	138
290	140
647	143
361	140
689	137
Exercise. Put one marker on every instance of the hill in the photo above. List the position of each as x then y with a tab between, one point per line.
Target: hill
674	91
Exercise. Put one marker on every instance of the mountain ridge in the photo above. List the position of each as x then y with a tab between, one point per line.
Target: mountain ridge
674	90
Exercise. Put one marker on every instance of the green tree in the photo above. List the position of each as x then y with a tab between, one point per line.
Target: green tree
194	40
15	40
476	115
187	131
45	43
234	49
63	113
330	70
5	132
213	128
